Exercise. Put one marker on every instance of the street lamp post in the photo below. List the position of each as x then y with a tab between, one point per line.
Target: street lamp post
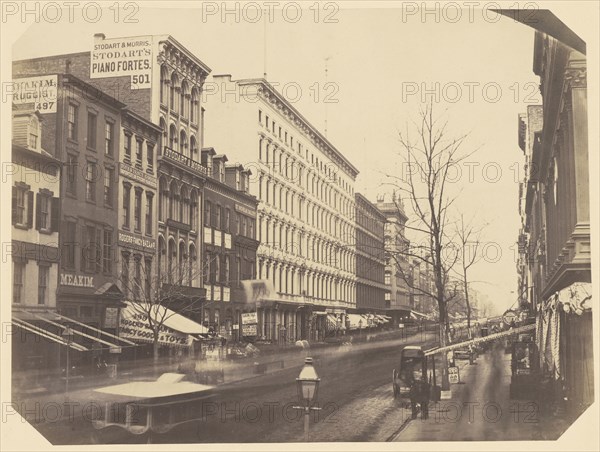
67	334
307	385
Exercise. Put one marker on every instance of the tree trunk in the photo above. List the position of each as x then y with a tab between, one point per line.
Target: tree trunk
155	347
466	284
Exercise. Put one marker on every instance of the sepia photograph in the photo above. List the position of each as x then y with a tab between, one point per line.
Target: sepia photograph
314	225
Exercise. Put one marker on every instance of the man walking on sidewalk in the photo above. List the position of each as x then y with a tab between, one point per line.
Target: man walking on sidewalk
419	393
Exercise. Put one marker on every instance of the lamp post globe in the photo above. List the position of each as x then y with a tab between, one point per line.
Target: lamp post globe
307	383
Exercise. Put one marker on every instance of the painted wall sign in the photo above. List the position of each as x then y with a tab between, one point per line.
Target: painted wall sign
41	91
123	56
129	239
68	279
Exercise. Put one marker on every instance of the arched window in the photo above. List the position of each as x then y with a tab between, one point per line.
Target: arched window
162	248
193	266
163	136
171	265
183	102
173	137
163	199
183	144
194	106
173	98
164	84
184	205
173	201
182	264
193	149
194	210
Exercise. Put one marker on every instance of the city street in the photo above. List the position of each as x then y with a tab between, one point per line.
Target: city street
481	409
355	396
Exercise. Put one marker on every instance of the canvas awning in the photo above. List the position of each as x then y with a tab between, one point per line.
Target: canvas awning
356	321
175	329
42	332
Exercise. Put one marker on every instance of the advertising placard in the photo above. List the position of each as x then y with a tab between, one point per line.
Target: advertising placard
41	91
123	56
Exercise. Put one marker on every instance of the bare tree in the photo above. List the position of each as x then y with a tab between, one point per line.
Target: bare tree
468	239
157	295
427	164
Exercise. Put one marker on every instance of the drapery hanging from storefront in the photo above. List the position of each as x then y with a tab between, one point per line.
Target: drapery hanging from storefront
572	300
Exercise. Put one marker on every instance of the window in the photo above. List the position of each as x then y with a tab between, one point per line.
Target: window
125	273
127	146
72	122
149	199
43	211
148	279
226	270
108	187
217	222
207	270
90	182
18	276
243	226
33	140
107	256
217	276
260	116
89	251
137	210
108	138
71	175
388	279
207	213
138	153
137	278
150	158
69	243
227	224
91	130
126	205
22	206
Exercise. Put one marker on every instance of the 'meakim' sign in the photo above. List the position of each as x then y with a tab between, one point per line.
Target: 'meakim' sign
123	56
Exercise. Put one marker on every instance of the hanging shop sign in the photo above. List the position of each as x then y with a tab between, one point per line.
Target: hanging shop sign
510	316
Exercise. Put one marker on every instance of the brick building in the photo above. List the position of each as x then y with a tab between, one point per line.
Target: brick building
230	243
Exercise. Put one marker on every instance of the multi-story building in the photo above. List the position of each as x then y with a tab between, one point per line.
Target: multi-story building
34	246
138	186
398	272
557	211
166	90
370	257
305	186
230	243
530	238
81	130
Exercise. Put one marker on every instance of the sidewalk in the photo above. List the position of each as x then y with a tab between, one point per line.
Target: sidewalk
480	408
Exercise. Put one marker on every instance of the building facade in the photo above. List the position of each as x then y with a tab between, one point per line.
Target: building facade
35	242
370	257
557	222
305	188
398	268
137	199
230	243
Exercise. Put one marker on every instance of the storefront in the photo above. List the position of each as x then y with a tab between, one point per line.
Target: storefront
564	338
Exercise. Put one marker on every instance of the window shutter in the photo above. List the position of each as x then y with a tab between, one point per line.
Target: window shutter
54	214
37	211
14	205
29	209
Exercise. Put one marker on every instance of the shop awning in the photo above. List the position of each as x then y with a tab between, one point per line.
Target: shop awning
42	332
51	319
356	321
335	324
176	329
417	315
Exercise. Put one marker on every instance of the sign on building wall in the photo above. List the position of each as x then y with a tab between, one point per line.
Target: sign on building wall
40	91
123	56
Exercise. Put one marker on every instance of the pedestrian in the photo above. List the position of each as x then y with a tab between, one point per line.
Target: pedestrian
419	394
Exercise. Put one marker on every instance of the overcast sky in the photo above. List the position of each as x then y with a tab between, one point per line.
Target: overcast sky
374	56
